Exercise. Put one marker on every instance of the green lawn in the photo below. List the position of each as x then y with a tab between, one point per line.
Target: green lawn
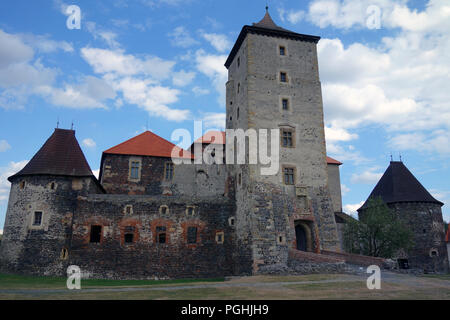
8	281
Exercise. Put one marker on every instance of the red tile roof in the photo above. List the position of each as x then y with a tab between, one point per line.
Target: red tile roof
333	161
211	136
149	144
60	155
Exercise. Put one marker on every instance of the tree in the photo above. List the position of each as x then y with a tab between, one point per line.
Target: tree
378	233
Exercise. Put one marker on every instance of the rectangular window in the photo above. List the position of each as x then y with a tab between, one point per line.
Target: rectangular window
135	166
168	171
96	234
192	235
129	237
37	219
282	51
287	138
289	176
283	77
285	104
161	234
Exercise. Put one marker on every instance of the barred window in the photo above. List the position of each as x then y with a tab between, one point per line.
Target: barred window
287	138
285	104
135	165
282	51
37	220
283	77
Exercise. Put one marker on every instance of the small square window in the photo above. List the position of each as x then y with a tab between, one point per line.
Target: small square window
287	138
190	211
285	104
96	234
164	209
283	76
129	238
289	176
192	235
282	51
161	234
37	219
220	237
128	209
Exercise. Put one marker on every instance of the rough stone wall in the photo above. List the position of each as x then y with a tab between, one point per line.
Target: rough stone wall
145	258
426	222
266	208
188	179
36	249
334	184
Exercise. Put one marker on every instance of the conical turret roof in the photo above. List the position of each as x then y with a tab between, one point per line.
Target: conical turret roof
398	184
60	155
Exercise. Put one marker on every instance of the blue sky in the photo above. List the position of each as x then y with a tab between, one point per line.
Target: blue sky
159	64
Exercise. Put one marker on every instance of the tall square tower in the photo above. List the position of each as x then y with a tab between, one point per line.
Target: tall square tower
273	83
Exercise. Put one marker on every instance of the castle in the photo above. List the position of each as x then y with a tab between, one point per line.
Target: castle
148	217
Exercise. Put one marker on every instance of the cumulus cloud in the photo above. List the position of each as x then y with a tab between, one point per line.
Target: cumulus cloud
5	172
4	145
369	176
219	41
89	143
182	78
213	67
200	91
214	121
180	37
351	208
344	189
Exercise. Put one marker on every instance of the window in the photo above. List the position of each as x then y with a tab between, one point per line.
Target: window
287	138
192	235
240	179
128	238
161	234
52	186
238	113
168	171
239	62
134	170
289	176
219	237
239	87
128	209
285	104
231	221
282	51
190	211
37	219
22	185
283	76
164	210
64	254
96	234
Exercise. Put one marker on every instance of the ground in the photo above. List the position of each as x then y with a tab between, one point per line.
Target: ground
319	286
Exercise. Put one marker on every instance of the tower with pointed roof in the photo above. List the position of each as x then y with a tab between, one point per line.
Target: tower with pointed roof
420	212
273	83
42	203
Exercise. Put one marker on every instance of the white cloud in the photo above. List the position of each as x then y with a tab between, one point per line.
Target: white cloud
180	37
44	44
214	121
117	62
200	91
13	50
5	172
4	145
219	41
89	143
182	78
339	134
96	173
107	36
351	208
436	141
367	177
213	66
344	189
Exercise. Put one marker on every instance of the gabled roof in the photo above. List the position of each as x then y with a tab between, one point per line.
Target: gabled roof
267	27
149	144
60	155
398	184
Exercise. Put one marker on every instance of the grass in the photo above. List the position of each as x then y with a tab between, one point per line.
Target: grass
8	281
438	276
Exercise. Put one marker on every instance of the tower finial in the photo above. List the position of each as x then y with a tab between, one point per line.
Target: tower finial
267	6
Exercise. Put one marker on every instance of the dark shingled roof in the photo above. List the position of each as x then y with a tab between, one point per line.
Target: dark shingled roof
398	184
61	155
267	27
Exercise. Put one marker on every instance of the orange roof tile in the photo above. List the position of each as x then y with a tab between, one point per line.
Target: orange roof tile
333	161
149	144
211	137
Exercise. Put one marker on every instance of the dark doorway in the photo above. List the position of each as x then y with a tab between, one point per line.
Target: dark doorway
300	235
